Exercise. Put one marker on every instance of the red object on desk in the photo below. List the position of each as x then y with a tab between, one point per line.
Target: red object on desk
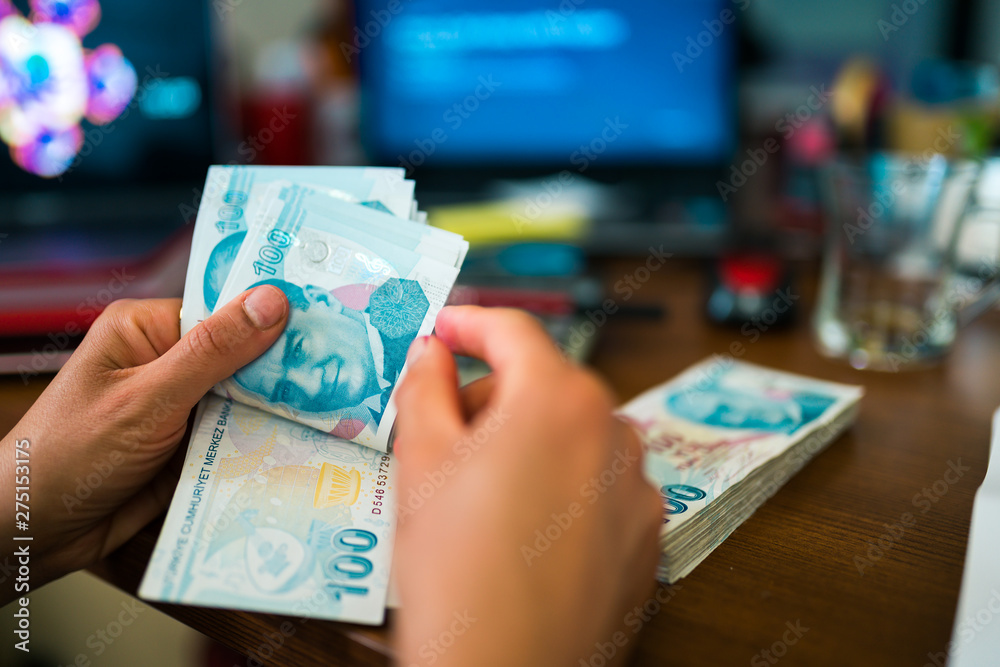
53	300
534	301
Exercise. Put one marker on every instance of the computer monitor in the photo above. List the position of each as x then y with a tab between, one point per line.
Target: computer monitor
105	114
556	84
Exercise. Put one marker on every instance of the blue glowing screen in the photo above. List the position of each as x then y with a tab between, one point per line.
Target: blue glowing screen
523	81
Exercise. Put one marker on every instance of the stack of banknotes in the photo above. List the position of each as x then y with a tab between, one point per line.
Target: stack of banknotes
364	273
286	500
286	503
721	439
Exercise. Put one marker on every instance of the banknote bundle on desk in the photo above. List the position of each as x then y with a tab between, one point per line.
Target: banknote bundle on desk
286	503
722	438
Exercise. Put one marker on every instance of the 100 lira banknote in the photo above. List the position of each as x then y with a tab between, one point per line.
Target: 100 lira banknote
231	201
444	246
360	290
273	516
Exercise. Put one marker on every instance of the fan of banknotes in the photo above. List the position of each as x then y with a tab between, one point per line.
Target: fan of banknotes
286	503
364	274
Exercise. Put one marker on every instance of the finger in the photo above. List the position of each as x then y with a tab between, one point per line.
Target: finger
133	332
510	341
159	320
476	395
430	411
629	436
231	338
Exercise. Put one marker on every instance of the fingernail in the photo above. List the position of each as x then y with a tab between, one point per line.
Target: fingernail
417	349
265	306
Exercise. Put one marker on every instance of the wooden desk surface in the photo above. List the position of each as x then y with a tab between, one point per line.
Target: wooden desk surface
794	560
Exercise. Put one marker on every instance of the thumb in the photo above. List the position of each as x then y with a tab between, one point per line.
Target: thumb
429	420
231	338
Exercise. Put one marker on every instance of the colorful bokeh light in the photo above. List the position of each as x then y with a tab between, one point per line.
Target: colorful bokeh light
49	153
112	82
49	82
80	16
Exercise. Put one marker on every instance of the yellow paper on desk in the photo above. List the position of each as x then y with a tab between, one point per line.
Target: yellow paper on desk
513	220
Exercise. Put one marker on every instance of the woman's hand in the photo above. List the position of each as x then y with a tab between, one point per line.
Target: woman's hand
526	525
104	429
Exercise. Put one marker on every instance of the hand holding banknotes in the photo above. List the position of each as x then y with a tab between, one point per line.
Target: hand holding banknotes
118	410
103	431
471	551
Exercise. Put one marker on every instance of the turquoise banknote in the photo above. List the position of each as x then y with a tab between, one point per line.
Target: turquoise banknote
359	296
438	244
231	201
273	516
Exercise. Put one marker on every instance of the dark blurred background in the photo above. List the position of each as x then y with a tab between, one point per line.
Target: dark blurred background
607	126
